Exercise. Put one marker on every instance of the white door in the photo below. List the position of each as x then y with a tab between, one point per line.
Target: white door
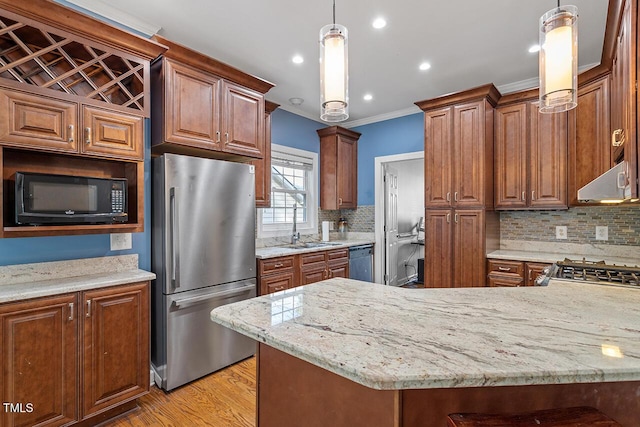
391	225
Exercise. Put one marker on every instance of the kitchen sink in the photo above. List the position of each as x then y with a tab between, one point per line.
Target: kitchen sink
304	245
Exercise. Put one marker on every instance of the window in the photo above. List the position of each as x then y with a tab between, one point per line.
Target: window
293	187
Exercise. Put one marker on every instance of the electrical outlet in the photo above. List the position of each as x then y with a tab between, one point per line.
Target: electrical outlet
602	232
561	232
120	241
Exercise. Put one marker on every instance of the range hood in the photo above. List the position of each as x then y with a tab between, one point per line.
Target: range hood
610	187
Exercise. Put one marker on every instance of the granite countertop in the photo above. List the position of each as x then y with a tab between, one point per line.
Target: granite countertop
394	338
277	251
25	281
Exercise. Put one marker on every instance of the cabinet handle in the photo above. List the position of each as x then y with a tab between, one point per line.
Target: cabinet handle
617	137
70	133
217	136
455	218
339	201
524	196
278	265
87	136
279	288
448	196
226	137
530	275
88	308
448	218
70	311
533	195
455	196
504	268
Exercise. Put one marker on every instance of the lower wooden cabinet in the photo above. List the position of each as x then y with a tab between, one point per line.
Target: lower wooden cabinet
277	274
513	273
51	377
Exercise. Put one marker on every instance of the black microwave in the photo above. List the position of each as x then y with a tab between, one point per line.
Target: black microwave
63	199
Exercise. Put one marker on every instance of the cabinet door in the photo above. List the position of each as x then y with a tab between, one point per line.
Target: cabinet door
113	134
243	120
437	158
313	273
115	363
548	159
34	121
469	249
263	168
338	270
276	282
468	155
347	172
39	361
438	244
532	271
192	107
589	152
510	177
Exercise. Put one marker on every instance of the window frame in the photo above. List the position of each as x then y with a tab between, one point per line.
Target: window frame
311	225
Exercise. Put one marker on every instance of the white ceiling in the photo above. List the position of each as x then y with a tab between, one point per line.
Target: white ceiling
467	42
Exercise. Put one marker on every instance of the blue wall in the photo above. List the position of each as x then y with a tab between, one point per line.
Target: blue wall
295	131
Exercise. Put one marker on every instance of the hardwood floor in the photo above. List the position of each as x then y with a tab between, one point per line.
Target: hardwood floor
226	398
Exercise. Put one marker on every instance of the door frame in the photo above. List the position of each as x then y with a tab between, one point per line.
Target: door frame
379	164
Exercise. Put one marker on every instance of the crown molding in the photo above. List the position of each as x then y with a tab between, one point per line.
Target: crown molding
381	117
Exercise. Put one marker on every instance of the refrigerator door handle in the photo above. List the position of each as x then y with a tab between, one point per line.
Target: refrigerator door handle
175	238
184	302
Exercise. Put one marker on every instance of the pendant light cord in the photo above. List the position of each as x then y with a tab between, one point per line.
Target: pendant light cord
334	12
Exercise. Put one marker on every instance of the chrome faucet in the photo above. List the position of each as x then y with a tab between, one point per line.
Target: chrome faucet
296	234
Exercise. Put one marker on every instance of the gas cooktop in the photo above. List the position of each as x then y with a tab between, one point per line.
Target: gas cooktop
593	272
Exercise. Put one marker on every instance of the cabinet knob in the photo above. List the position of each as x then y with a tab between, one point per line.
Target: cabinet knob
617	137
71	136
87	136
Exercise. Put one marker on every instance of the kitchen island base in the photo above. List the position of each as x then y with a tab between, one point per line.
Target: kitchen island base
293	392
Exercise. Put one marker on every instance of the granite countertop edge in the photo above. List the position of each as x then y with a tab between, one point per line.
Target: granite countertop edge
551	257
278	251
45	288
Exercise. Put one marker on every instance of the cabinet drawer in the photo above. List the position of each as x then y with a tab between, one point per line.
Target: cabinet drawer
276	282
275	264
312	258
499	280
506	267
338	255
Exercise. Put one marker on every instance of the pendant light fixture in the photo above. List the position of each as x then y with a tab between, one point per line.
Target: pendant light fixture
558	59
334	72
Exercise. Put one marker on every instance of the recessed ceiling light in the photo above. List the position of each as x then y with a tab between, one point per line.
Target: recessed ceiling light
296	101
379	23
535	48
297	59
424	66
368	97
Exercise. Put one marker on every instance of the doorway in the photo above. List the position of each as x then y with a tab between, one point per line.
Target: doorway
399	207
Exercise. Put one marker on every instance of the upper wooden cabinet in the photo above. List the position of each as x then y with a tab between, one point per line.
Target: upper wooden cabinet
530	155
205	107
263	166
589	149
459	149
338	168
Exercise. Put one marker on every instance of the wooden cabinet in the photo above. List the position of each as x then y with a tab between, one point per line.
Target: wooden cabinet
460	226
456	247
531	155
39	361
263	166
277	274
589	150
37	122
338	168
513	273
205	107
116	346
74	362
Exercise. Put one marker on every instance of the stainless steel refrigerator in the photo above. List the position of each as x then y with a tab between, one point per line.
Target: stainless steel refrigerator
203	254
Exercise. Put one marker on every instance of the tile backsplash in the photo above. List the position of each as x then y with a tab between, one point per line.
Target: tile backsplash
623	224
359	220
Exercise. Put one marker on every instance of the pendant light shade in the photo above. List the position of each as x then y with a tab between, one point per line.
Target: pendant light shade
334	73
559	59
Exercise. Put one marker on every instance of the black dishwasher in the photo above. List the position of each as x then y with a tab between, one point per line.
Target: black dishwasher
361	262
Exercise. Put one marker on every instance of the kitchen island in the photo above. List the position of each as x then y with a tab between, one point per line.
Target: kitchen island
343	352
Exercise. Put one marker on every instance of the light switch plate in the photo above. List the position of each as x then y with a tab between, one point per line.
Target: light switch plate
120	241
561	232
602	232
